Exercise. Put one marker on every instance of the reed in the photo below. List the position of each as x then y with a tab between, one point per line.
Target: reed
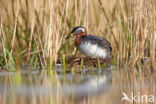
33	31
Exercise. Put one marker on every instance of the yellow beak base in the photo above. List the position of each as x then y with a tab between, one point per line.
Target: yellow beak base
71	34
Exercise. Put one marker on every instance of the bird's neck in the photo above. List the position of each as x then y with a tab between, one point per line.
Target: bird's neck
78	38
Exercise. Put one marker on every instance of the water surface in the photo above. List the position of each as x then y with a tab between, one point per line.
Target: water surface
82	86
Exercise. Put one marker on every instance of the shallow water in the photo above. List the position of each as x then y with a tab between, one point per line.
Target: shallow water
88	86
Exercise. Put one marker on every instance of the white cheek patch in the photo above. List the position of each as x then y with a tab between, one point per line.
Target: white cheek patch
82	29
92	50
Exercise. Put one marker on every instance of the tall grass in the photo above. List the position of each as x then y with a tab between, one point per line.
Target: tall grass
32	31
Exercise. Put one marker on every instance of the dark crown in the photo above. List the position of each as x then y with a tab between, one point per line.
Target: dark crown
77	27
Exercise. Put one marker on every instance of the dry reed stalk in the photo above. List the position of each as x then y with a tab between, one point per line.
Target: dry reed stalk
55	31
128	26
14	32
32	28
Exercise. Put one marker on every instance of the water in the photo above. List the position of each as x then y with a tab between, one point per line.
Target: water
82	86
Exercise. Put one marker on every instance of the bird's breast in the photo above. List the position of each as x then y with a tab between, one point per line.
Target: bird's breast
92	50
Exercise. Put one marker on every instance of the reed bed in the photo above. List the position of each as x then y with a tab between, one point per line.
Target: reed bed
32	31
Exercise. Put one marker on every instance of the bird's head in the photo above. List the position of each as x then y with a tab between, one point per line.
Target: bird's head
79	30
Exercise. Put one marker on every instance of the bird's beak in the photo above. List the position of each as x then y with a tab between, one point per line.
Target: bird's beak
70	35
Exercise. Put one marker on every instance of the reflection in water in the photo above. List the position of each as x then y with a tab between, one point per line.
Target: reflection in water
92	84
89	86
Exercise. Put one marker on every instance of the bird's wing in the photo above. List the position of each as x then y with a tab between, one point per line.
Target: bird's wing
102	42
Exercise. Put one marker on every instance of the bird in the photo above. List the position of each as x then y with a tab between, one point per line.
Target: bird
90	45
